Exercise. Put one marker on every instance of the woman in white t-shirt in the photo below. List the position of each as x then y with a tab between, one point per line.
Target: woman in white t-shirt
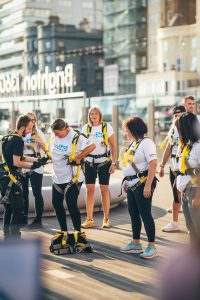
101	162
34	142
68	148
189	131
139	168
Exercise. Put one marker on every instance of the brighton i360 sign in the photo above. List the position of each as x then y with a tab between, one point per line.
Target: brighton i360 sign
52	82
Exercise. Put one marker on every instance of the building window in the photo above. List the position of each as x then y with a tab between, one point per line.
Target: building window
194	42
48	59
48	44
35	60
166	87
61	44
87	4
193	65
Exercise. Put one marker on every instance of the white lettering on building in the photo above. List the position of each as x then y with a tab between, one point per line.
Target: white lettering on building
50	82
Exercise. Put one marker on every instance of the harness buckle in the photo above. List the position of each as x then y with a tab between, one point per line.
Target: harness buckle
138	175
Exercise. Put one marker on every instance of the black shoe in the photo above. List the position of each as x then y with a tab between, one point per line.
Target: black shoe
35	225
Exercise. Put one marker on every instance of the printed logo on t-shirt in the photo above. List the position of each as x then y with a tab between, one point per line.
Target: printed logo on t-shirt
99	134
61	147
27	141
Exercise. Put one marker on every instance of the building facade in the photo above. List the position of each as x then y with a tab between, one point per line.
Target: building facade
125	43
54	46
173	39
17	15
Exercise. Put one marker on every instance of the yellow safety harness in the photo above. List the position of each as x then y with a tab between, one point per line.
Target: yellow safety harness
6	168
72	163
168	138
129	158
13	178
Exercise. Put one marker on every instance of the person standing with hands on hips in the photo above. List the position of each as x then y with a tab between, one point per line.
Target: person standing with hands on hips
139	168
101	162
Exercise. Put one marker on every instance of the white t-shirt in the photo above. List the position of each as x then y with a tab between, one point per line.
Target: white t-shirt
145	153
174	162
194	162
63	173
28	150
96	137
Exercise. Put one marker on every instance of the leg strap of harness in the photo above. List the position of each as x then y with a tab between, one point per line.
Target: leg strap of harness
5	198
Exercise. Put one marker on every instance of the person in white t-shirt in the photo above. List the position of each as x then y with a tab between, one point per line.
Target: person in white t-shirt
171	152
68	149
189	131
34	142
101	162
139	168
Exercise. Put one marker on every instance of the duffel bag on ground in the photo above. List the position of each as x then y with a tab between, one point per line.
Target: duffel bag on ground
67	243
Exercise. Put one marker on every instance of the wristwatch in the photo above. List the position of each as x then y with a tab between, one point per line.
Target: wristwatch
114	164
162	166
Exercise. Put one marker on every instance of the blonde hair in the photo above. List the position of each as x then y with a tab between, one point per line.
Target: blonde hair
97	110
31	115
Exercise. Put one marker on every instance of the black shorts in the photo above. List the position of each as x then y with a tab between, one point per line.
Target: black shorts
92	171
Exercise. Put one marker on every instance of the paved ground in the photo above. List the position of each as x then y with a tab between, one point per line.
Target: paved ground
107	273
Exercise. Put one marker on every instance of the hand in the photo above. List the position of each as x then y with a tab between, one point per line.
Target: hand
161	172
112	169
196	202
125	187
36	165
147	191
43	160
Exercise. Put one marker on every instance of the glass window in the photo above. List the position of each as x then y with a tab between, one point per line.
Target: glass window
194	42
193	64
61	44
47	44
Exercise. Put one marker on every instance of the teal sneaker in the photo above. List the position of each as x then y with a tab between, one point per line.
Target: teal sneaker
149	252
132	248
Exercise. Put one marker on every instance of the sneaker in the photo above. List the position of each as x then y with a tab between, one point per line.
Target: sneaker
132	248
149	252
172	226
106	223
35	225
89	223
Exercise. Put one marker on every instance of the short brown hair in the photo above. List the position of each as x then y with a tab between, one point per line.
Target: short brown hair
89	112
22	121
188	98
59	124
136	126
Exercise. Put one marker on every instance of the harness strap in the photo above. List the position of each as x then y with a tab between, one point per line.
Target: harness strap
5	198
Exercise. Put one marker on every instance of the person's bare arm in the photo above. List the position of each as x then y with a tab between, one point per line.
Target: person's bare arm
113	148
84	153
17	162
165	158
150	177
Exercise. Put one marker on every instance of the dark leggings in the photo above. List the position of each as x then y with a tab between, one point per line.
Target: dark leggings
173	184
71	198
139	208
13	216
36	184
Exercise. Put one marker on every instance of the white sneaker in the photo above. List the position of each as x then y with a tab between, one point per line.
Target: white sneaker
172	226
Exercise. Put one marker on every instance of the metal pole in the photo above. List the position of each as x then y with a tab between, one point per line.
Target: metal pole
151	120
115	124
